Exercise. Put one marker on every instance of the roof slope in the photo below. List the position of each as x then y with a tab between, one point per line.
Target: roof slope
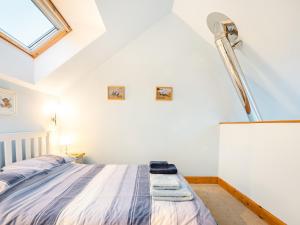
271	51
124	21
269	56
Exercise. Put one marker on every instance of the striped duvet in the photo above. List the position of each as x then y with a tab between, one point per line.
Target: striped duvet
89	194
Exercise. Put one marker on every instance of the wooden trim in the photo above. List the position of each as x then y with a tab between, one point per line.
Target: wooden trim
249	203
39	50
49	43
266	121
201	180
58	15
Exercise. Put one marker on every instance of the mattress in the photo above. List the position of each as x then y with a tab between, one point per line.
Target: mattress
95	194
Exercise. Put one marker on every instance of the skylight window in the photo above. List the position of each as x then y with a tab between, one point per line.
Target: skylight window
31	25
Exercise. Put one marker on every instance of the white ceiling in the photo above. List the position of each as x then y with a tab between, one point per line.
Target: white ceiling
269	56
87	25
84	18
124	21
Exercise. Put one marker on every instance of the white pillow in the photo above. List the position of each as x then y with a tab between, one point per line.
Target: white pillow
45	162
33	164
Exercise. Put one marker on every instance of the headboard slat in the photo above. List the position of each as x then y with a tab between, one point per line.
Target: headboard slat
28	148
8	151
44	145
38	148
19	154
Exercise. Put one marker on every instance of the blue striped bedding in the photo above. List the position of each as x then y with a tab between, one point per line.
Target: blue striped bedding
7	180
95	194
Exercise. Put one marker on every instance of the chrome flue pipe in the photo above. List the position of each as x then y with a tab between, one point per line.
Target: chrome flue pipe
226	39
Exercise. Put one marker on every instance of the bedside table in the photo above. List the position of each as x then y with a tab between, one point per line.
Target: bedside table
78	156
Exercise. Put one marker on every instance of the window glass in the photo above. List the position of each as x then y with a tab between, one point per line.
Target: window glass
23	21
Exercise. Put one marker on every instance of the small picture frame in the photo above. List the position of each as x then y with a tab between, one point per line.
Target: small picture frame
116	93
164	93
8	102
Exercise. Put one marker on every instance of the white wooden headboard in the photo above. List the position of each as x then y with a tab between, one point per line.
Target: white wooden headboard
20	146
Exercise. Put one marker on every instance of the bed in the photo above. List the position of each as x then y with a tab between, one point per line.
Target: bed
71	193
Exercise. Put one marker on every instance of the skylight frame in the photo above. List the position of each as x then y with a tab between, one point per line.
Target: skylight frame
61	28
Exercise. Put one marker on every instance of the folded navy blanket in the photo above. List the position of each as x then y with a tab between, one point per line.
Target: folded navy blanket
158	164
167	169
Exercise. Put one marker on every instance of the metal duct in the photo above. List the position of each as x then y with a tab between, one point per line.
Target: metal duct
226	39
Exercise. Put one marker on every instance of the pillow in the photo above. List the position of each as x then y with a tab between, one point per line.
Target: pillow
12	177
52	159
69	159
41	163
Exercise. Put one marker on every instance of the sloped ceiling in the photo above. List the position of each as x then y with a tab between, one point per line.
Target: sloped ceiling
84	18
87	25
99	29
124	21
269	55
9	56
271	51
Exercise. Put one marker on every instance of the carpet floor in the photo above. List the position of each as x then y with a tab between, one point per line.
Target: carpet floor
224	207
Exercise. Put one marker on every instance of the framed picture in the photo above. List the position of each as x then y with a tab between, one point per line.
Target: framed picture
8	102
116	93
164	93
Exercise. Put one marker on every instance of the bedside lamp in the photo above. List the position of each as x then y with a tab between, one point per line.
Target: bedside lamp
66	141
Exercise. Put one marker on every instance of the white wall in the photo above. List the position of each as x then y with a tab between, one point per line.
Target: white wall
30	114
139	129
14	63
271	48
86	23
124	21
262	161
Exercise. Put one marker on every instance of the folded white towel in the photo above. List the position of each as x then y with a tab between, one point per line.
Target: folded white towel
173	199
164	182
182	192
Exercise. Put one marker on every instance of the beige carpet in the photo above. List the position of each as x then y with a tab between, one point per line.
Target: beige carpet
225	208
